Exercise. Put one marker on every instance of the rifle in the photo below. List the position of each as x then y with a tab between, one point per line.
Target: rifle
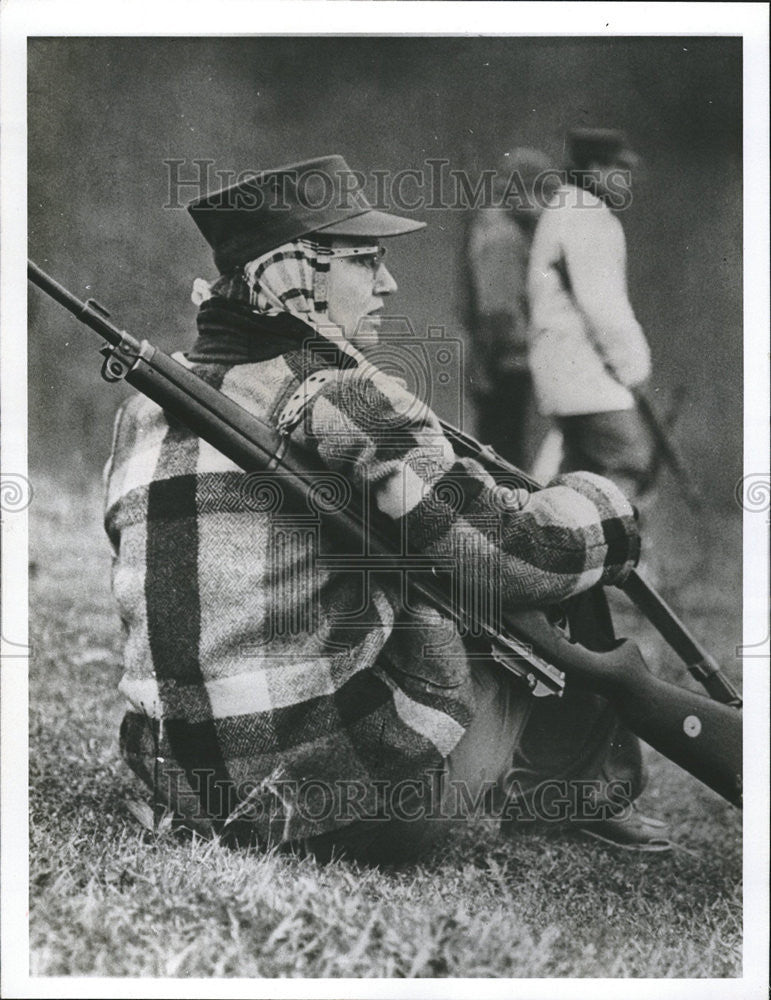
699	662
255	447
701	735
668	451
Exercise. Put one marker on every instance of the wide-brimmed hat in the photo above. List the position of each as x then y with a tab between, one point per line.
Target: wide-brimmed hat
266	210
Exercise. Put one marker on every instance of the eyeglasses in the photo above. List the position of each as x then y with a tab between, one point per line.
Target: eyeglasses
372	256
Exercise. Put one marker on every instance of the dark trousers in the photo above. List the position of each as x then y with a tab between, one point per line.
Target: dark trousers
523	759
503	417
616	444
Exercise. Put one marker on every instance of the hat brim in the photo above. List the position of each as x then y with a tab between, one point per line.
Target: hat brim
372	224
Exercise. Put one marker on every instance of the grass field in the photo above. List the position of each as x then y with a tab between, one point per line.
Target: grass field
111	898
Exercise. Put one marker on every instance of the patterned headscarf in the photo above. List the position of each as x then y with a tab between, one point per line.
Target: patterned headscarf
292	278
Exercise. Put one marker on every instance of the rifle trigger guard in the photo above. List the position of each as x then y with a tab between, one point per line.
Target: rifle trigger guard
118	360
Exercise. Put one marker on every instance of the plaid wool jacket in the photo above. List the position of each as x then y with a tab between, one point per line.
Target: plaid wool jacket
273	676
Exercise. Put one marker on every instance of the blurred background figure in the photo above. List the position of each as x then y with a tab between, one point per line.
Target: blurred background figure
497	251
588	352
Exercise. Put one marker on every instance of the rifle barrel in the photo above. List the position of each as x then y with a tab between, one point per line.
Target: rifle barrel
88	312
699	662
668	451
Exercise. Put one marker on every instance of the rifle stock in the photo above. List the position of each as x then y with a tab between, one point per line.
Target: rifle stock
700	735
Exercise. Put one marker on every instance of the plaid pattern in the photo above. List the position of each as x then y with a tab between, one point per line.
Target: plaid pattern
290	279
267	670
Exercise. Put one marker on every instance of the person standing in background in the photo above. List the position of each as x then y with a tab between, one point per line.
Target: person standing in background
587	350
497	252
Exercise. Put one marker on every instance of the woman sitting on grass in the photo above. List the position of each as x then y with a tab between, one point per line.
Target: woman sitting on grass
279	687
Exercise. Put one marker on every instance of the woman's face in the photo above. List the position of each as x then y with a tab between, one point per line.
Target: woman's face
355	293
